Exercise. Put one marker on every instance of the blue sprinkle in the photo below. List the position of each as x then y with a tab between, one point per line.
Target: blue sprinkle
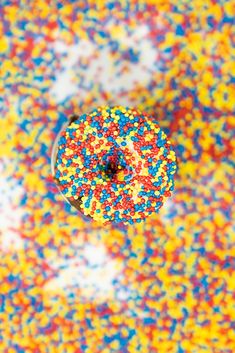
179	31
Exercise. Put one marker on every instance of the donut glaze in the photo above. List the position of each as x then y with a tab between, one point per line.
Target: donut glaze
115	164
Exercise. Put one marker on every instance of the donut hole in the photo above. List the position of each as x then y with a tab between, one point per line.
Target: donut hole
111	170
112	165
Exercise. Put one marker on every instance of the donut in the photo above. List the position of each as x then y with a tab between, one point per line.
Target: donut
115	164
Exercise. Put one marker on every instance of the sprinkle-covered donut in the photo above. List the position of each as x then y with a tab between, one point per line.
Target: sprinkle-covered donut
115	164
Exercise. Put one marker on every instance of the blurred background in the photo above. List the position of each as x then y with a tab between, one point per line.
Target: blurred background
69	285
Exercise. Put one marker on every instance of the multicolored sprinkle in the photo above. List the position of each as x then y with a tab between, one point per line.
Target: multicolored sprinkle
118	162
71	285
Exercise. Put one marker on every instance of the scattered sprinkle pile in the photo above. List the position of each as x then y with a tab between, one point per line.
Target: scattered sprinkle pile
117	162
71	285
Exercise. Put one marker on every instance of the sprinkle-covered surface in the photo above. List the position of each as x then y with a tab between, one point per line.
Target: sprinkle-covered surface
71	285
117	162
